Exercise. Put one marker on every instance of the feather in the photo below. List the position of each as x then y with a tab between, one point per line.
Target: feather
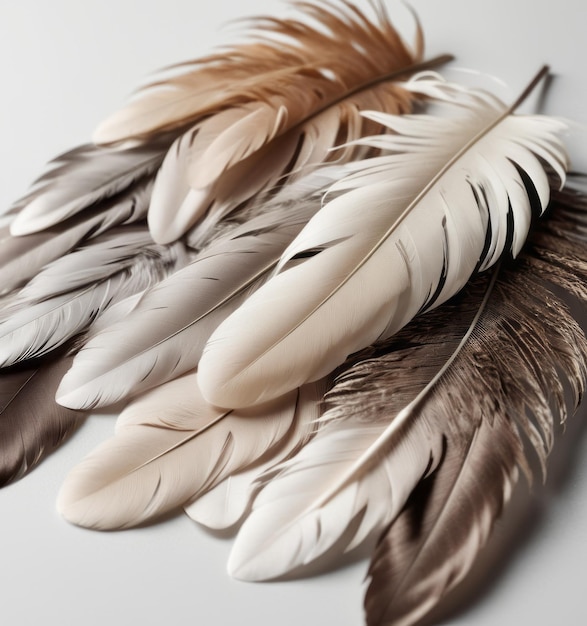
169	446
228	502
490	365
291	54
82	178
164	335
261	112
531	347
480	176
21	258
63	299
32	425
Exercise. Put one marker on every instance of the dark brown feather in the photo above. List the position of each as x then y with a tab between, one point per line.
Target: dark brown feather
32	424
501	398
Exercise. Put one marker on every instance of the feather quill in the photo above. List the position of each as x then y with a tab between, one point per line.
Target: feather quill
480	176
134	476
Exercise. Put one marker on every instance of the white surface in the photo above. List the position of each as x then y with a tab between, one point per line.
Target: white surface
66	64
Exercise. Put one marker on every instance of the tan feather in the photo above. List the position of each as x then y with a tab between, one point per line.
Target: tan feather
170	445
291	64
266	110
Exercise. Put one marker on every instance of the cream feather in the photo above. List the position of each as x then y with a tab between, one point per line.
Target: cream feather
169	446
229	501
454	193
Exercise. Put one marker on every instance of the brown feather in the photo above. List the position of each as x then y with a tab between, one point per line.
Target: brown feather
501	397
284	66
32	424
264	111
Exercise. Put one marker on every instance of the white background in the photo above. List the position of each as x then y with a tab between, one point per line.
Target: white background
66	64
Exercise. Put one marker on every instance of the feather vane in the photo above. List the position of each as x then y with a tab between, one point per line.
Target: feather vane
533	351
447	403
264	112
62	300
23	257
81	178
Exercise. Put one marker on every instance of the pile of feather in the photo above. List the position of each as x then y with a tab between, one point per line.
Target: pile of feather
333	295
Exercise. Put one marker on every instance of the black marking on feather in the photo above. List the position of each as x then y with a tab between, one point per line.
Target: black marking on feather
441	278
309	253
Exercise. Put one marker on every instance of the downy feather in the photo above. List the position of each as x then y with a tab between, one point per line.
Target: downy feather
169	446
81	178
164	335
492	362
452	195
32	424
344	51
63	299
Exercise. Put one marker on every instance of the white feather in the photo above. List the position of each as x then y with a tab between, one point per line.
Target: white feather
308	505
414	226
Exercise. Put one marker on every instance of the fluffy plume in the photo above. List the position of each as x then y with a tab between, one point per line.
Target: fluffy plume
480	176
266	109
287	57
